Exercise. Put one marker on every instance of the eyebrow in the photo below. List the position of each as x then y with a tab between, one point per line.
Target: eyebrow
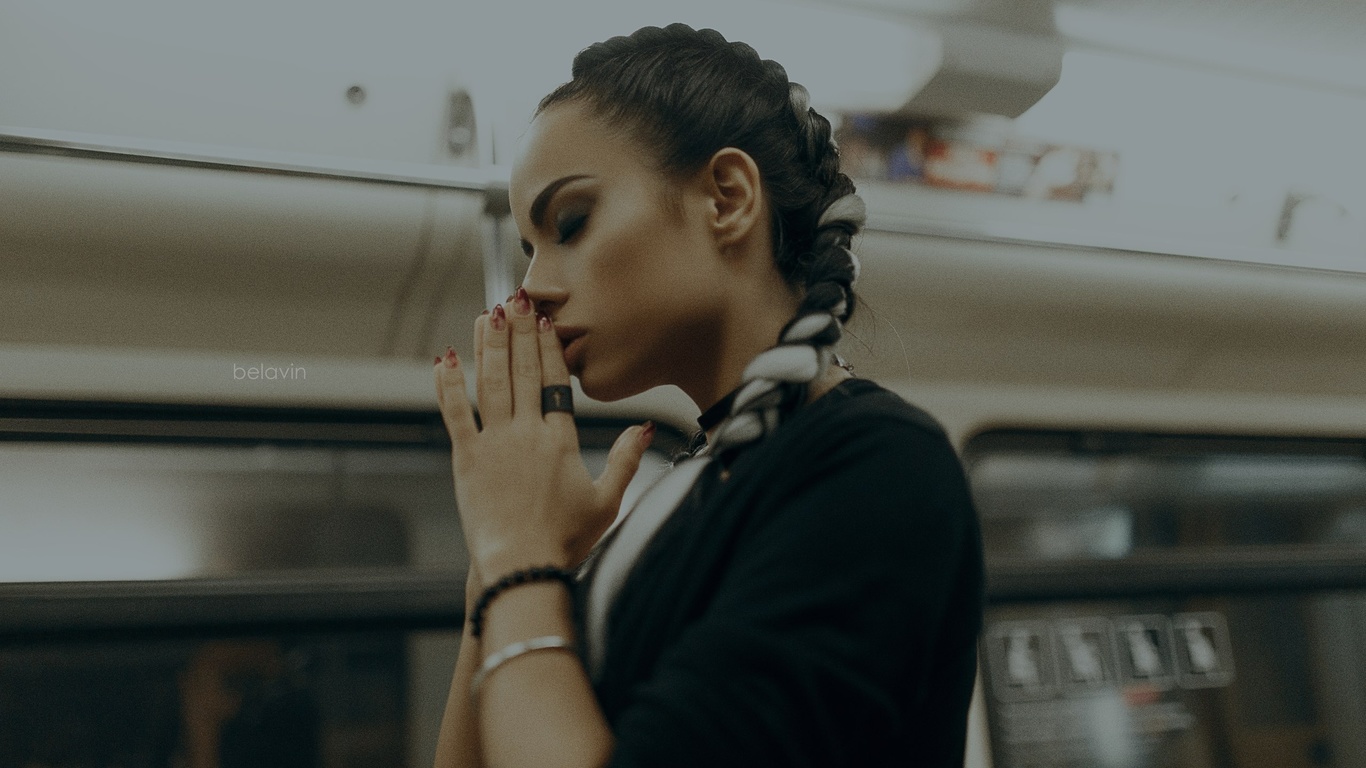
542	200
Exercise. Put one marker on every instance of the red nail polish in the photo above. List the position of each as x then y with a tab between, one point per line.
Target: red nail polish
648	434
485	312
499	318
437	361
542	321
522	302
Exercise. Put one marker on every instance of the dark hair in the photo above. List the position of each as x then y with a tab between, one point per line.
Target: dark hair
689	93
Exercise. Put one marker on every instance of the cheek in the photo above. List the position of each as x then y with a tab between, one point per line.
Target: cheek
650	271
634	254
657	278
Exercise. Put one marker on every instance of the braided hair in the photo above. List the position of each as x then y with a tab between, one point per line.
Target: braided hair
688	93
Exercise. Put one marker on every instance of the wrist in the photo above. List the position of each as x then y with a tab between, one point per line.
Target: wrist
467	629
518	580
474	584
500	564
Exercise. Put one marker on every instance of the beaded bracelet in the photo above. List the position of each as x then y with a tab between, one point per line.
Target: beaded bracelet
523	576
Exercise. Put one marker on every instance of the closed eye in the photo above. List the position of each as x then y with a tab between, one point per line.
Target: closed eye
570	226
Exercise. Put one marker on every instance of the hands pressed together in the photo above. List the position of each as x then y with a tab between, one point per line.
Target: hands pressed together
526	500
524	493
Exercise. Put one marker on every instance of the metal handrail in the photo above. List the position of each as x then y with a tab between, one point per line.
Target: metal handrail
307	602
1180	573
63	144
24	420
406	599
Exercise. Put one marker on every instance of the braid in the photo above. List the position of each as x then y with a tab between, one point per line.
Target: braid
778	380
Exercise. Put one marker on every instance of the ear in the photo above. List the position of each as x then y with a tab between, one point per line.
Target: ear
735	188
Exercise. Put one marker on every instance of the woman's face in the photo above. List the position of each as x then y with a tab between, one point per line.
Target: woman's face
610	257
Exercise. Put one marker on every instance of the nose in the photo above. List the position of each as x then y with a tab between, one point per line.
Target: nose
545	292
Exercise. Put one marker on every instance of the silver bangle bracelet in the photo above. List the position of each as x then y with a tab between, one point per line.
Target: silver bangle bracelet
511	652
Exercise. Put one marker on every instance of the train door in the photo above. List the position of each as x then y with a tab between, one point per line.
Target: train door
1173	600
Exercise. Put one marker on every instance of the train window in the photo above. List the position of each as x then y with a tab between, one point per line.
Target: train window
335	700
1160	600
217	587
136	511
173	493
323	672
1111	496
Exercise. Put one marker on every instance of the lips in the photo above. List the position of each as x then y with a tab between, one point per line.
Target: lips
568	333
571	339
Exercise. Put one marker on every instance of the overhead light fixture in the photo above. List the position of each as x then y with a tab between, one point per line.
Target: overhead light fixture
1124	33
943	58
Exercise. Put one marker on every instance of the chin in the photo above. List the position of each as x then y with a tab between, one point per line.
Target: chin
607	390
603	392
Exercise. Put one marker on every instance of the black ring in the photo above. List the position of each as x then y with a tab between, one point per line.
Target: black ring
557	397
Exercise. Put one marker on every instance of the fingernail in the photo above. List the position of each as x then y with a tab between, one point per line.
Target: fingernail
485	312
647	434
499	318
543	321
522	304
437	361
451	358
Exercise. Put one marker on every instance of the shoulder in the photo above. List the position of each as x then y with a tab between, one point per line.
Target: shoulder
856	400
884	464
861	418
864	503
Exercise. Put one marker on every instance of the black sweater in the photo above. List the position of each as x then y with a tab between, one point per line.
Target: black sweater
820	607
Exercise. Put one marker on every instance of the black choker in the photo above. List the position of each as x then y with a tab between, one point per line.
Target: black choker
718	411
713	416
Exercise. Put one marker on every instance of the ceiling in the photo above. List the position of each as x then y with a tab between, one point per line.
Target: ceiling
1335	27
1314	43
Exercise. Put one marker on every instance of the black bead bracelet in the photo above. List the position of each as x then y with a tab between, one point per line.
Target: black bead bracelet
523	576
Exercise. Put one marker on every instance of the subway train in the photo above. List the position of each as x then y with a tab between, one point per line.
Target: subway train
1117	249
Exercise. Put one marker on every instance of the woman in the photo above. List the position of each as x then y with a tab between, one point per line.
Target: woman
804	589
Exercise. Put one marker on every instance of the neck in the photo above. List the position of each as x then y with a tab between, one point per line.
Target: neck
748	326
749	322
831	379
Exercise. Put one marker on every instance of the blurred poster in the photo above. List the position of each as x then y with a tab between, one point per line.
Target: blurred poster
971	155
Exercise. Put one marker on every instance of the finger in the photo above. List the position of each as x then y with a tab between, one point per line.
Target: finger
480	323
440	391
479	339
623	461
455	403
553	369
495	395
525	358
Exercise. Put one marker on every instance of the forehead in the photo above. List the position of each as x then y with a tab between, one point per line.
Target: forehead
569	139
